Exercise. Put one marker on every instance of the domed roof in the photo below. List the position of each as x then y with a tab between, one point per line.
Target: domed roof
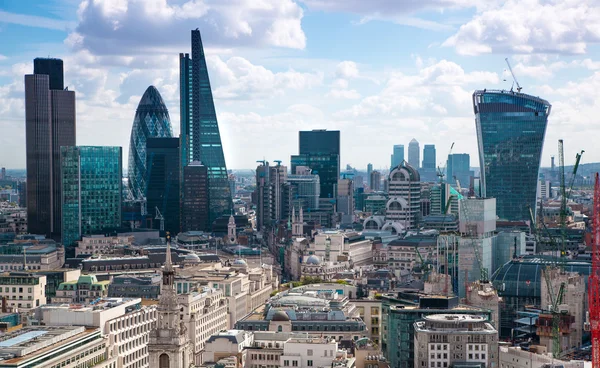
280	316
152	98
240	262
413	174
313	260
192	257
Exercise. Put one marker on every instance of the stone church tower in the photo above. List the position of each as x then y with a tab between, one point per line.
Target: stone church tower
169	345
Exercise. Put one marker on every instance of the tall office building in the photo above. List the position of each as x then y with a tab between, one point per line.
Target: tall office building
397	156
306	189
273	195
151	121
200	137
459	166
375	179
345	200
91	191
320	151
369	171
162	163
414	154
429	157
428	172
49	125
510	132
194	209
404	204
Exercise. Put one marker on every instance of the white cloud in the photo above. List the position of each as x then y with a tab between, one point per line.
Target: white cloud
238	78
346	69
131	27
3	57
35	21
530	26
388	7
350	94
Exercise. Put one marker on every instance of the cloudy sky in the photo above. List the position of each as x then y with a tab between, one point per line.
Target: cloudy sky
380	71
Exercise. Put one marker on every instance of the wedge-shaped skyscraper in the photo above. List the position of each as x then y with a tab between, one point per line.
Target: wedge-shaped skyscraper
510	133
151	121
200	138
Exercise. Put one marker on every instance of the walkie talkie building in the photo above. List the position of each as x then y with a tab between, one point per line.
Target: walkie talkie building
511	128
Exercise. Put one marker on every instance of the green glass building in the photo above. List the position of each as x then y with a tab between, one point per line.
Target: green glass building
200	137
91	191
511	128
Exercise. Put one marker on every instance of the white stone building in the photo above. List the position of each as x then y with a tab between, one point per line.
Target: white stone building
23	290
441	340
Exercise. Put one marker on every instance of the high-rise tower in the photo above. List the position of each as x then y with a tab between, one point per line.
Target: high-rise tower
510	132
151	121
397	156
414	154
49	125
200	138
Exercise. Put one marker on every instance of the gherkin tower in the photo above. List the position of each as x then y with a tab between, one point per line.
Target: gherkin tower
151	121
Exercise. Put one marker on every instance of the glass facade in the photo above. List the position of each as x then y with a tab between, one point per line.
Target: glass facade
414	154
320	151
429	157
327	166
151	121
510	132
162	161
200	137
194	210
397	155
459	166
91	191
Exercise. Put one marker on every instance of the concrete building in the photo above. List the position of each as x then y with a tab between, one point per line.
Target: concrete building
326	271
49	125
273	197
23	290
135	286
56	347
345	200
514	357
85	290
544	189
399	316
403	206
477	224
101	244
483	295
243	288
36	255
572	307
370	312
338	246
124	322
323	314
447	340
375	178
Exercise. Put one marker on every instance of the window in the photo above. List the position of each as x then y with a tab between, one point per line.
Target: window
309	363
309	352
286	363
294	363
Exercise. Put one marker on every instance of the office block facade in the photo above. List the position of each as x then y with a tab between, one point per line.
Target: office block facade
163	194
404	203
200	137
429	157
458	167
272	194
194	208
91	191
49	125
151	121
510	133
414	154
397	156
320	151
306	190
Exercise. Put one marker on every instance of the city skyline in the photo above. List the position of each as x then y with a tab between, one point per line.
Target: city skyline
269	85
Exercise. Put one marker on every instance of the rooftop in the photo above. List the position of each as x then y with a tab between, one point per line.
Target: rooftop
28	340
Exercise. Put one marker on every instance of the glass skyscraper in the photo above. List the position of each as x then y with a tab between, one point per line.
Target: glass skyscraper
458	167
162	161
151	121
397	156
320	151
91	191
200	138
414	154
510	133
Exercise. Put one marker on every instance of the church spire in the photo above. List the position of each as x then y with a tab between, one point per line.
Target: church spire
168	274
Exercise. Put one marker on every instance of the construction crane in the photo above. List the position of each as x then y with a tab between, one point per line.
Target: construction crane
519	88
442	172
563	198
594	280
483	272
160	217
